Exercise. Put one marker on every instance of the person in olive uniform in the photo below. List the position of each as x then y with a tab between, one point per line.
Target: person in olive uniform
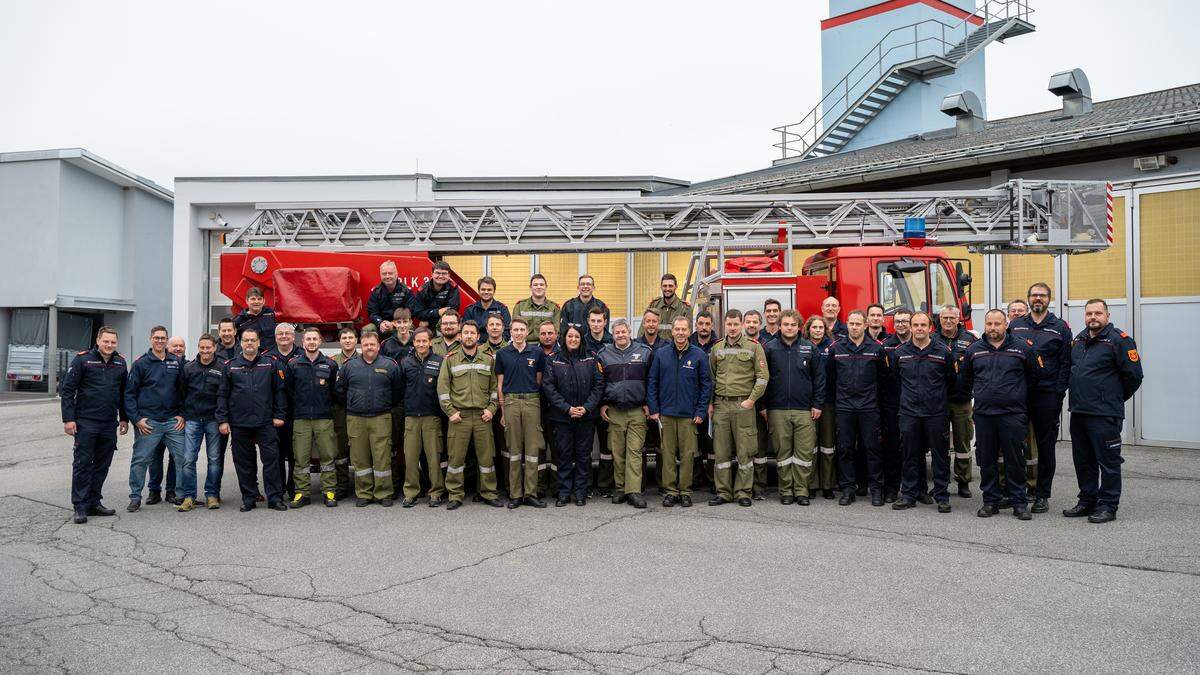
794	398
739	372
518	382
422	421
467	394
370	384
1106	371
625	365
348	341
668	306
537	307
957	338
93	410
678	392
824	474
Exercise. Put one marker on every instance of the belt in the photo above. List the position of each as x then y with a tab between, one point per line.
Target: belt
730	398
523	395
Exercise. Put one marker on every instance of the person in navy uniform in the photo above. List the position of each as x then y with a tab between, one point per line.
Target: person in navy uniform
999	371
1106	371
927	372
284	351
390	295
487	305
703	338
889	408
152	401
856	368
1050	338
834	327
258	316
576	310
437	296
93	412
227	340
573	384
251	407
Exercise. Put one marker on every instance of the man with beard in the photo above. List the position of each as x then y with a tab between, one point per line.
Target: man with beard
668	306
447	340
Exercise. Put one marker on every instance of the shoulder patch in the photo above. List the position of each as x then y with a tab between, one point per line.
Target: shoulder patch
1133	355
81	353
1124	334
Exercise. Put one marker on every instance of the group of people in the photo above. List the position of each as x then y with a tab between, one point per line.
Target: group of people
843	409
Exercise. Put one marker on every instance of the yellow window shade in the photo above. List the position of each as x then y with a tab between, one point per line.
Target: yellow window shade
609	270
1101	275
511	273
1170	243
647	278
468	267
562	275
1022	271
977	288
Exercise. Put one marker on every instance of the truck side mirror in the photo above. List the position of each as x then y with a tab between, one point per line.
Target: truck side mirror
964	279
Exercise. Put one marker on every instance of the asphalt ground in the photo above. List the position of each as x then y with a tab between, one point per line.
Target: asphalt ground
600	588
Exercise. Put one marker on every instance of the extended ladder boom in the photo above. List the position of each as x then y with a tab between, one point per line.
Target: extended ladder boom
1020	216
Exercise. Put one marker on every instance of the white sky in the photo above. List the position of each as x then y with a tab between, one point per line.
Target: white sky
683	89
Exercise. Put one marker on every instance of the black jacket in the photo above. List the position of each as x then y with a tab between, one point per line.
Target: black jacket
572	379
382	303
94	389
370	389
479	314
429	300
310	387
958	346
1051	340
253	392
420	384
1106	370
575	313
797	375
999	377
394	349
854	374
201	384
264	322
926	376
625	372
889	391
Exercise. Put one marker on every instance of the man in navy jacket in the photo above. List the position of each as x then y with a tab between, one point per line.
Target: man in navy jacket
927	372
678	393
795	395
152	401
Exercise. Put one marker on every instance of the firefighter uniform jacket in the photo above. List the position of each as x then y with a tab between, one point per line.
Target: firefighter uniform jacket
201	384
1051	340
94	388
999	378
310	386
253	392
1106	370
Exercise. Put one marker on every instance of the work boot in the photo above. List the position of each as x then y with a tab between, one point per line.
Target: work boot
186	505
386	502
902	504
802	501
685	501
496	503
943	507
170	498
434	503
514	502
862	491
101	510
827	494
787	500
889	497
562	501
745	501
964	490
619	498
925	498
847	498
1079	510
668	501
759	496
637	501
408	503
1022	513
876	499
80	517
476	498
1103	515
606	492
277	506
134	505
300	500
331	499
454	504
154	498
212	503
581	501
1040	505
987	511
247	506
717	501
536	503
361	502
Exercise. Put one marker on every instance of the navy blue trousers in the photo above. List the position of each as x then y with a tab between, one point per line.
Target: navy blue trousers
1045	411
858	436
921	433
996	436
1096	449
95	443
573	443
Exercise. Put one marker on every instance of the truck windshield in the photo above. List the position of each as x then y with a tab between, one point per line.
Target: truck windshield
909	290
943	289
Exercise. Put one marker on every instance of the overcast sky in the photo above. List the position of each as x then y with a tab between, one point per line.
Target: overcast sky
686	89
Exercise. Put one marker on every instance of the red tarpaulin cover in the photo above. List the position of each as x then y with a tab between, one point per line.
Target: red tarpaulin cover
317	294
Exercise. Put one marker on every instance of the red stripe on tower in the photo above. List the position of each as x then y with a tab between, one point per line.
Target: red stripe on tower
889	5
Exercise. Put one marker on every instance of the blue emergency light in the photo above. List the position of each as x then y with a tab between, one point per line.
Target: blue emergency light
914	231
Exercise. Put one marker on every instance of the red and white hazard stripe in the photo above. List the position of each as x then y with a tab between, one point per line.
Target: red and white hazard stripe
1108	206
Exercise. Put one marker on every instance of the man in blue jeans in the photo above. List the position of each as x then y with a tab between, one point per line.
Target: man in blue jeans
152	402
201	382
158	479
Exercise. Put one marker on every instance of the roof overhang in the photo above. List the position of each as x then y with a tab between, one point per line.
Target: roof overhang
96	165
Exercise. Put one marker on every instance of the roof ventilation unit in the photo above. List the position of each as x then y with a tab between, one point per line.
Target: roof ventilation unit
1076	92
967	111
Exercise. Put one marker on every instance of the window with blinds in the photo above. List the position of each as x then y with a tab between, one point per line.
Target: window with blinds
562	274
647	278
511	273
610	271
1101	275
1021	271
1170	243
468	267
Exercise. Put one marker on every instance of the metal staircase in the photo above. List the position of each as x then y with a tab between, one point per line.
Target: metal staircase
887	69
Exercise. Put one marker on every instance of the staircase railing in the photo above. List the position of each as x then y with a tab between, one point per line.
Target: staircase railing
926	38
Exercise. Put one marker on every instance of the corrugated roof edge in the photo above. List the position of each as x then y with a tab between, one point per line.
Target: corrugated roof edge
95	164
